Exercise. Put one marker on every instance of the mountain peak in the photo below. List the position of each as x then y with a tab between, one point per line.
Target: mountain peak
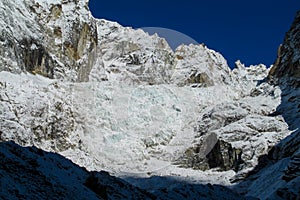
171	123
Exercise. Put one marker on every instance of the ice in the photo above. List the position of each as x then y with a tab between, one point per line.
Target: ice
123	101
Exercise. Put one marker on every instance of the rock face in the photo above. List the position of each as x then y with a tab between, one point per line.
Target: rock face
211	153
233	135
55	39
200	66
277	174
65	42
287	63
45	120
113	98
132	56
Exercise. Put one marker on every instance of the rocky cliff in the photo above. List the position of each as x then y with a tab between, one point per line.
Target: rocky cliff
113	98
277	174
287	62
61	40
54	39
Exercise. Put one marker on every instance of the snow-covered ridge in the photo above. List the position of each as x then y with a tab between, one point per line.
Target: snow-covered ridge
65	42
114	98
52	176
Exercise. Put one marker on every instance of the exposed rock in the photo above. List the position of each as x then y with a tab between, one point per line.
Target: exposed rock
132	56
234	135
47	119
277	174
248	79
143	108
199	66
287	64
211	153
52	43
35	59
67	43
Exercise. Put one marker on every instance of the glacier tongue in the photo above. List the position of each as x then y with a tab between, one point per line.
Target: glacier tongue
105	116
140	130
114	98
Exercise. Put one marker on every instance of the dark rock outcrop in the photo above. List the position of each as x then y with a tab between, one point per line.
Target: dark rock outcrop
47	40
287	64
211	153
277	174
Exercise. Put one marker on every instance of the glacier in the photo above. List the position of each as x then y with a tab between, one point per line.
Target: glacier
113	98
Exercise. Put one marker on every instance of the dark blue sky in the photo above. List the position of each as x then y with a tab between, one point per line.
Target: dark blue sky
247	30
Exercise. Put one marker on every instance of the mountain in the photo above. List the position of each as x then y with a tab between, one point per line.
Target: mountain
31	173
277	174
163	124
287	63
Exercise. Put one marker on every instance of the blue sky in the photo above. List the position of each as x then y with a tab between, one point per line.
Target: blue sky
247	30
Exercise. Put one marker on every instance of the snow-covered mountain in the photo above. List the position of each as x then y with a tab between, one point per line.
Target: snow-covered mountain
31	173
169	123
